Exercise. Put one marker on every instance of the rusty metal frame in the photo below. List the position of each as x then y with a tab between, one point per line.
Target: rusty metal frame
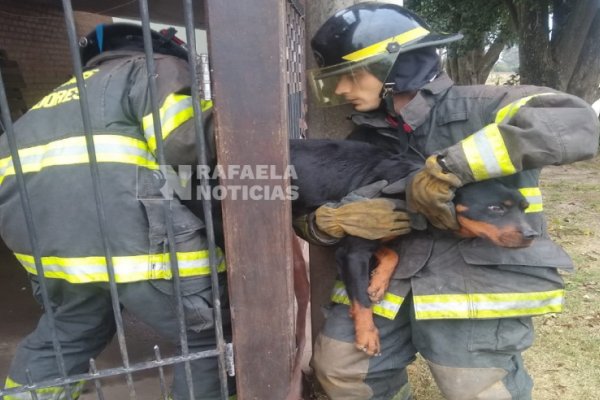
223	351
287	111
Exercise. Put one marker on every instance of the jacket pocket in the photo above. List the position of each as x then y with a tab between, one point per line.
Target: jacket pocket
151	194
455	116
543	252
196	296
504	334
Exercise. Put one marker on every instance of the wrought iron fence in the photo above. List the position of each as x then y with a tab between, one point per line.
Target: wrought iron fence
200	89
295	68
223	350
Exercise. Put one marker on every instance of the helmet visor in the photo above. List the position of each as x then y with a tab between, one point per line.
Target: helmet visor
326	82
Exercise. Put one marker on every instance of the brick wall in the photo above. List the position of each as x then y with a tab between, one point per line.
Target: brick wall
35	37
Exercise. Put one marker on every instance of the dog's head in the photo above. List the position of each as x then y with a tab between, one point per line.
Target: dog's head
491	210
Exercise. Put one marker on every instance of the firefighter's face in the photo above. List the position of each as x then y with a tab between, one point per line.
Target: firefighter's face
361	89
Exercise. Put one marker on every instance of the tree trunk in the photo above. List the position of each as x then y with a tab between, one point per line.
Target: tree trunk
571	62
569	44
536	64
466	72
473	67
585	81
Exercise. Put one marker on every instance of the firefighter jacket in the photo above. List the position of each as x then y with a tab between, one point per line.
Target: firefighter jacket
483	132
54	158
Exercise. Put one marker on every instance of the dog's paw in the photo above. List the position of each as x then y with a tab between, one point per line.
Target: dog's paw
367	341
377	286
376	293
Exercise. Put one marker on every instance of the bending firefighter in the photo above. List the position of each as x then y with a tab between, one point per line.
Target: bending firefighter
464	304
53	153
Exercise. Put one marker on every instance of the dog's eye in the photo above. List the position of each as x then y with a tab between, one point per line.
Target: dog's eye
496	209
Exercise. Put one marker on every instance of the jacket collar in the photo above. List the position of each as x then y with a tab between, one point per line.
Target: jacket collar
112	55
418	109
415	112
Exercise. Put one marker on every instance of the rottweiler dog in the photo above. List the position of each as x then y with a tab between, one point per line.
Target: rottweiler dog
327	170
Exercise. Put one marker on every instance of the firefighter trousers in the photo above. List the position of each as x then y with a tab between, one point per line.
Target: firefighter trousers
85	324
469	359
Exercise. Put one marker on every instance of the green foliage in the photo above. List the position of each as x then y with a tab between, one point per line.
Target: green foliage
480	22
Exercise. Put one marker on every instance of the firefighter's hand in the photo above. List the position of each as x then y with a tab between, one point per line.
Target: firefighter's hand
359	214
430	192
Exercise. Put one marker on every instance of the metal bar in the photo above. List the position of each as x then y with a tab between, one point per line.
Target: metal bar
30	382
31	231
205	75
148	50
206	202
107	373
161	373
97	185
229	359
97	384
297	6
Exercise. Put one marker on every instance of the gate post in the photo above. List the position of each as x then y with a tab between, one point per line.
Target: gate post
247	52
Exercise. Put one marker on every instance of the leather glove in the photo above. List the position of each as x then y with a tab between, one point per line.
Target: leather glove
358	214
430	192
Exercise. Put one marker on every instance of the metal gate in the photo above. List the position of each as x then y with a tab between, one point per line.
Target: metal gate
295	38
294	54
223	351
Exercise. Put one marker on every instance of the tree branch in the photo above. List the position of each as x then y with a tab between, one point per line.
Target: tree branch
514	15
491	56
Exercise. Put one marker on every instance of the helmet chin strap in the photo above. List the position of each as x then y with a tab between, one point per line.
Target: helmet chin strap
387	97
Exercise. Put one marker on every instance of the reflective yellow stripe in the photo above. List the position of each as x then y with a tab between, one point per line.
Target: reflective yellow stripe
491	305
73	150
127	268
486	151
175	110
534	198
380	47
508	111
387	308
486	154
49	393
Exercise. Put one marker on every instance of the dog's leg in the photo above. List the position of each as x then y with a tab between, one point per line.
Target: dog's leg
366	333
381	275
354	256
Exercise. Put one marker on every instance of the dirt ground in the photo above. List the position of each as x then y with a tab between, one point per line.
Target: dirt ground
565	359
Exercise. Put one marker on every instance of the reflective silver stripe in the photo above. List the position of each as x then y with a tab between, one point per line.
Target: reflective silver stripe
175	110
174	105
509	111
73	150
486	152
493	305
533	195
387	308
127	268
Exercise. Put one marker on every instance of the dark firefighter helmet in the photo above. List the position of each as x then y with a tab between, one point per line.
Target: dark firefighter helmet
125	36
368	35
